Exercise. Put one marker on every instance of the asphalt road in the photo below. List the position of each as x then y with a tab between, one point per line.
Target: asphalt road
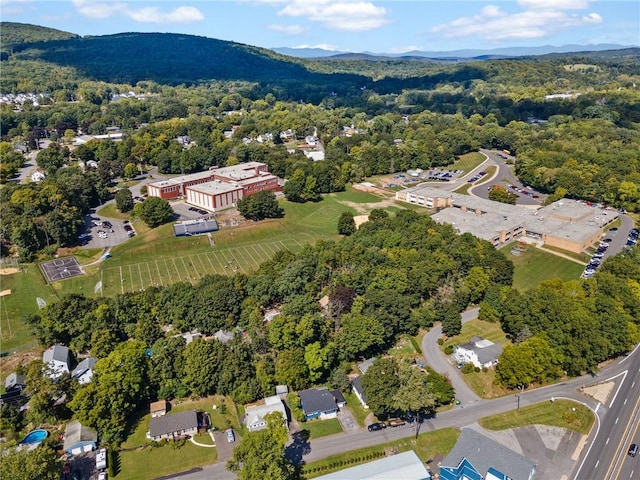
619	422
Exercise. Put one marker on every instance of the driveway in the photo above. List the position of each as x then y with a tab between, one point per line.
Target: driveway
441	364
224	446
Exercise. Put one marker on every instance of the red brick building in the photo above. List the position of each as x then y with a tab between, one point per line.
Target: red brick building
217	188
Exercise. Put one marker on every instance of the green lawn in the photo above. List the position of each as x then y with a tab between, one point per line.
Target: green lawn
358	411
25	286
111	211
534	266
426	446
467	162
149	463
559	413
321	428
464	189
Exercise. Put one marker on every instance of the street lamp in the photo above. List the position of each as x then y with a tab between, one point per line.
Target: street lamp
521	387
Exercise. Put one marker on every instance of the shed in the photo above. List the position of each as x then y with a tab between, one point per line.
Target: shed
159	408
84	371
339	398
78	438
15	382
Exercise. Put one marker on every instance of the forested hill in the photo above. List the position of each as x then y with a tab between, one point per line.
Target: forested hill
173	59
17	33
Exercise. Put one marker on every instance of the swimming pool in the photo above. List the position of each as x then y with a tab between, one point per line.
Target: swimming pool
35	436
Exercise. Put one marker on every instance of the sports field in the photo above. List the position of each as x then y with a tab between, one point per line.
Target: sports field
192	267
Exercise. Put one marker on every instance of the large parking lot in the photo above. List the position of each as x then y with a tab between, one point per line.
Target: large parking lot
100	232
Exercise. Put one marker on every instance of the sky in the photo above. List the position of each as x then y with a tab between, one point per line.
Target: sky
394	26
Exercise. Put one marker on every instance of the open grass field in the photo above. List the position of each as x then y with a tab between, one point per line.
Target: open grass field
533	266
157	257
467	162
559	413
25	287
426	446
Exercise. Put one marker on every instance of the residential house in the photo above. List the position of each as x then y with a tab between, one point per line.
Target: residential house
255	413
223	336
84	371
364	366
15	382
477	457
171	427
159	408
356	383
79	439
57	360
339	398
479	351
318	403
405	466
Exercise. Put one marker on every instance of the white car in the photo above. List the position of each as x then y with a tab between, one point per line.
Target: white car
230	435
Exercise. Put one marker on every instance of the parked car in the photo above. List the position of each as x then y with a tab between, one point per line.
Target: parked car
102	476
231	437
374	427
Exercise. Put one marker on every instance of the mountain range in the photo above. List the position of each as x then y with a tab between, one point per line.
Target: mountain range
454	54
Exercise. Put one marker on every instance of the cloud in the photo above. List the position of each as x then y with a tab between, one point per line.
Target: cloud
177	15
103	9
541	18
344	15
323	46
14	7
288	29
408	48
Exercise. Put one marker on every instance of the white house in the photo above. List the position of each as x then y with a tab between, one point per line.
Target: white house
255	413
84	371
57	361
479	351
356	383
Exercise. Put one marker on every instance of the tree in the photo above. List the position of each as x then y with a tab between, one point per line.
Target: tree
119	386
38	464
124	200
291	369
532	361
378	214
498	193
259	206
346	224
414	394
154	211
359	335
202	366
450	317
130	170
380	384
260	454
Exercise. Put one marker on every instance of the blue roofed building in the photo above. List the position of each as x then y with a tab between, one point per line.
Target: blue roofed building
318	403
477	457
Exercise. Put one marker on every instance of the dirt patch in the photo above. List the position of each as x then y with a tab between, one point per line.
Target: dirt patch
364	208
10	363
4	293
599	391
8	271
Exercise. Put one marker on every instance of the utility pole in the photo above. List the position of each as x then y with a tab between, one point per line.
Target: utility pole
521	388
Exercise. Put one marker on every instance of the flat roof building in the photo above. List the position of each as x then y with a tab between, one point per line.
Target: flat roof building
402	466
567	224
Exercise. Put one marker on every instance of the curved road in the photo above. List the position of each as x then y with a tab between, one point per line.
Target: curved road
436	360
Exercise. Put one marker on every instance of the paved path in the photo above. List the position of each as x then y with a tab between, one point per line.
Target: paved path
441	364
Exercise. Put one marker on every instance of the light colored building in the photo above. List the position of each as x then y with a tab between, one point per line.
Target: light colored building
402	466
84	371
479	351
159	408
255	413
79	439
57	361
567	224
